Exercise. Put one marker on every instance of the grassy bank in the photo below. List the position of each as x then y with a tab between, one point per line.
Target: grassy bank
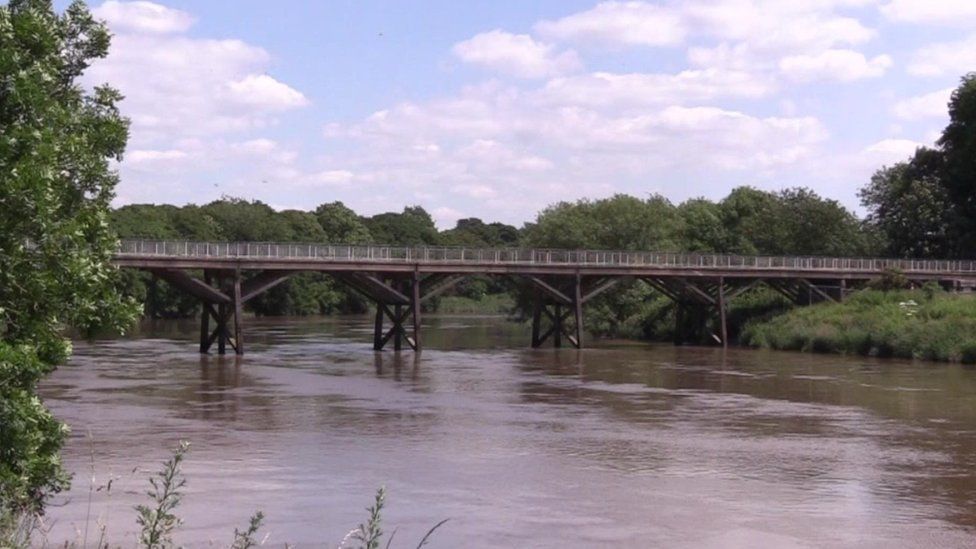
926	324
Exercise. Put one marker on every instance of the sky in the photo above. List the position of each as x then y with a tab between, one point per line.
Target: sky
497	109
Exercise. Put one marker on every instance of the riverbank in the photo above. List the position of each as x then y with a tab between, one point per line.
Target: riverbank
922	324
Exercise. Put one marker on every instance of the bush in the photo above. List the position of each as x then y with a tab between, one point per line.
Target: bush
922	324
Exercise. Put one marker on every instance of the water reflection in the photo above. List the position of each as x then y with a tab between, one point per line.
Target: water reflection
617	444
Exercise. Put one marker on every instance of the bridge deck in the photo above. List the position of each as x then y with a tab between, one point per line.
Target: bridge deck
149	254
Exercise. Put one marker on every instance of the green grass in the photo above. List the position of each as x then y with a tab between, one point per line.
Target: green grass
491	304
923	324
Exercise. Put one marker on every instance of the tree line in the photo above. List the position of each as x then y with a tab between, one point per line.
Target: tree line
747	221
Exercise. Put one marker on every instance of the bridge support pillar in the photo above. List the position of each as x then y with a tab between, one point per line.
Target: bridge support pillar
223	312
222	294
398	298
695	302
557	307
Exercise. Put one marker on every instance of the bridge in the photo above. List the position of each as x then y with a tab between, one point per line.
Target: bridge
399	280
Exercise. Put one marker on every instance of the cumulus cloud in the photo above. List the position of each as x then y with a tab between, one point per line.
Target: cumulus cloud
143	16
842	65
604	88
887	152
195	105
175	85
263	92
958	57
516	54
777	26
930	105
514	152
140	156
943	12
619	23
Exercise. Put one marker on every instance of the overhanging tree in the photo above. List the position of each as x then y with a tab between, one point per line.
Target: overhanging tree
56	182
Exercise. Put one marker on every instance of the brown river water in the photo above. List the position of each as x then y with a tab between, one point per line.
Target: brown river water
620	444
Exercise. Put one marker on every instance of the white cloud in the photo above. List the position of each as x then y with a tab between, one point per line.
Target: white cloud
514	152
639	121
885	153
174	85
196	105
475	190
333	177
264	92
752	27
842	65
776	26
952	58
945	12
492	155
615	23
146	17
446	217
516	54
605	89
930	105
139	156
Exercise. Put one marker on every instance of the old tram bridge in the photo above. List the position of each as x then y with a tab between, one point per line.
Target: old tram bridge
400	279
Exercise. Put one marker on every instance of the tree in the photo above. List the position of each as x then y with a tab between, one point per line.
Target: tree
926	206
702	226
620	222
55	244
812	225
794	221
413	227
958	174
341	224
910	207
474	232
247	221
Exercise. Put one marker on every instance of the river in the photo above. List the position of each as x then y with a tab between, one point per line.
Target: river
621	444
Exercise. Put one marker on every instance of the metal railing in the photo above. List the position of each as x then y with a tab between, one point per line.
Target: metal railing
520	256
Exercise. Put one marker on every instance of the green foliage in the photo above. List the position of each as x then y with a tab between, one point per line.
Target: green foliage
891	279
908	204
245	539
247	221
958	147
158	521
55	188
475	233
703	227
342	225
30	437
906	324
492	304
369	534
793	221
412	227
924	207
618	223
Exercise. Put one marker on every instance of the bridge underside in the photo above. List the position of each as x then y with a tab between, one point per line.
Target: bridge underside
558	300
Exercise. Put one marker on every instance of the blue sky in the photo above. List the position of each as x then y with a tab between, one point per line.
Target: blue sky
497	109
